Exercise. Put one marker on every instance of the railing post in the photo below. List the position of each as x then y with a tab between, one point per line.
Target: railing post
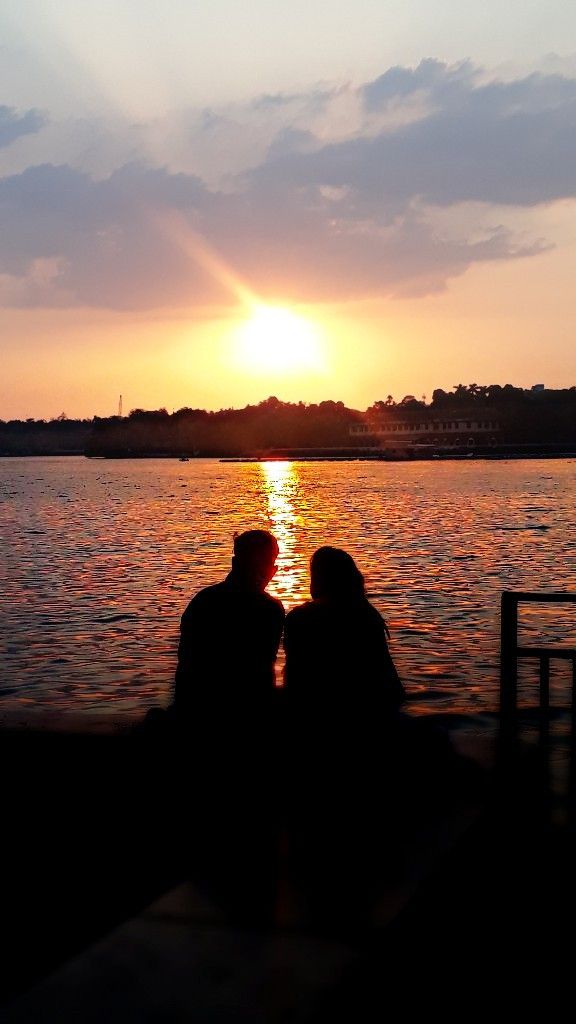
573	694
572	765
508	655
544	716
510	652
545	683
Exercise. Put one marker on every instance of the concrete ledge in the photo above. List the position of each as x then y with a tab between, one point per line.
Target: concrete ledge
176	962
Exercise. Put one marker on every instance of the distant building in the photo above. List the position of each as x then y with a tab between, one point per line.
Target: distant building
399	429
538	387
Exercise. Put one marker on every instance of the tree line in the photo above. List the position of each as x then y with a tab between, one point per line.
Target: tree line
524	415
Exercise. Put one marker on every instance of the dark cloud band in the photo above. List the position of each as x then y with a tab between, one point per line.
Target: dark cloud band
313	219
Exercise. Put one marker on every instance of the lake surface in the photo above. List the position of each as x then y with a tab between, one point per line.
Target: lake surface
99	559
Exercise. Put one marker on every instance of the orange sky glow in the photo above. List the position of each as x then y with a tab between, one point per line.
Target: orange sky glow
394	214
514	326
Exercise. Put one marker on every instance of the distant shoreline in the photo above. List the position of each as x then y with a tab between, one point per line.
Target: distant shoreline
499	452
400	458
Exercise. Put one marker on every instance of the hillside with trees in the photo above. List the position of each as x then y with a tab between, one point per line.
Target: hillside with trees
535	415
231	432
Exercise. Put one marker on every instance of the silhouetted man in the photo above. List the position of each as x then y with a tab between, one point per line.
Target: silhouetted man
225	700
230	634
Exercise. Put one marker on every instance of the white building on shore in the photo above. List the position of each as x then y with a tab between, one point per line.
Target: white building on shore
443	429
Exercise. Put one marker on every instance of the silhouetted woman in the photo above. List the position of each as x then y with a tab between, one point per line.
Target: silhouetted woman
337	656
343	694
360	775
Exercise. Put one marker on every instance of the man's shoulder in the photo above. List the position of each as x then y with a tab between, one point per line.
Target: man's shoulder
275	607
222	594
212	593
206	597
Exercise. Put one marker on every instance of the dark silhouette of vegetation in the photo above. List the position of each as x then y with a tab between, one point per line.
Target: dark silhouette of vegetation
541	415
59	436
254	429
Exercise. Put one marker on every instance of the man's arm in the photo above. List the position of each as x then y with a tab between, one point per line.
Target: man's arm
280	619
190	624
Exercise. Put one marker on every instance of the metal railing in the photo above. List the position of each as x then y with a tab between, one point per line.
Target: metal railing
547	800
511	651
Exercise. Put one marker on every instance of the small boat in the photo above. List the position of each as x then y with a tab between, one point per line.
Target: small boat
184	458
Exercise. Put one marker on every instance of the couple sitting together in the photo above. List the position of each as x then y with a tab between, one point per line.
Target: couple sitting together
337	657
339	708
328	755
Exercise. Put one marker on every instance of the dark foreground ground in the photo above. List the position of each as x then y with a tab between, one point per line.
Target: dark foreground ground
124	897
81	846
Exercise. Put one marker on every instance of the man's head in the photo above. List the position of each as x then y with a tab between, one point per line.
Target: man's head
255	554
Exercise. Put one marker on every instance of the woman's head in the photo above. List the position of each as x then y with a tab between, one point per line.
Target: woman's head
334	575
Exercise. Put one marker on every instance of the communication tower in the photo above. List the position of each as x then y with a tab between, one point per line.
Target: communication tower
120	406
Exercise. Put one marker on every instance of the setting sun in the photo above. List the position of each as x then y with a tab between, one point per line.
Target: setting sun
275	339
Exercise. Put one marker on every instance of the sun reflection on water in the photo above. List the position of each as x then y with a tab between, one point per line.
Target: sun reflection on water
281	485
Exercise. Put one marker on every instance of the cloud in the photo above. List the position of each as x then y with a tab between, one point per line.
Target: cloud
13	125
100	239
341	200
431	75
508	143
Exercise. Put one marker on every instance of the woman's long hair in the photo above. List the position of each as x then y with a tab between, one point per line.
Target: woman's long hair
334	576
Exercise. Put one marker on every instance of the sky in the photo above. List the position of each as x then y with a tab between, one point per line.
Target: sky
206	203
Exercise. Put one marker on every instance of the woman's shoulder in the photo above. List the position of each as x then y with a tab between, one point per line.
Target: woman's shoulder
361	608
372	612
301	611
308	619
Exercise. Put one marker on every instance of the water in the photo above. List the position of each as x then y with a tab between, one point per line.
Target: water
100	558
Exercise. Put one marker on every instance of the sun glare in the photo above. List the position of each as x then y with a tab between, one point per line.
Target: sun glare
277	340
